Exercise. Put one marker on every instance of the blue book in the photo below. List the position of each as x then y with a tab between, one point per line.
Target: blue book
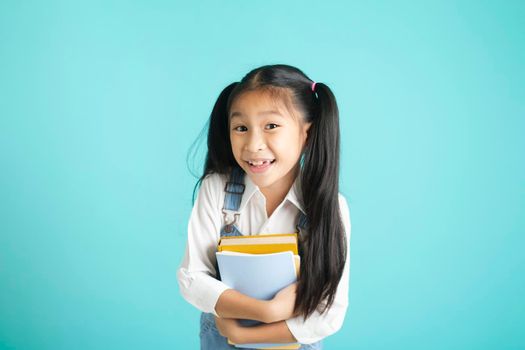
259	276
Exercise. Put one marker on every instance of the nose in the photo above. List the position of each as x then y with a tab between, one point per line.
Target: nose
255	142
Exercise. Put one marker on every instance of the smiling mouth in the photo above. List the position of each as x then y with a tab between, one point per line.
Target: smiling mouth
261	163
260	167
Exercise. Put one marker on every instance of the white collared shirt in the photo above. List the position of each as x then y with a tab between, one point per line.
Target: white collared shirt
196	273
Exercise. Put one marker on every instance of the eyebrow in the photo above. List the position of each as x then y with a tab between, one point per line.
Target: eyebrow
240	115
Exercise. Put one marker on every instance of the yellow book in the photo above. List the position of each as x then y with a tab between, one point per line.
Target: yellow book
260	244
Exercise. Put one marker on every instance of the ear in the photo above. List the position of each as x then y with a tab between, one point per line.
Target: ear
305	127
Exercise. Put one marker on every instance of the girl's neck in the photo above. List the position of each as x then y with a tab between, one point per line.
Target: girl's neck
276	192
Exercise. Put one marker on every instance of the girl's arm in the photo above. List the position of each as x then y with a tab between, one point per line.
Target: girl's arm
276	332
233	304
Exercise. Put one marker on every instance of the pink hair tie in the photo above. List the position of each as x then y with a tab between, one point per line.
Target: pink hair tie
313	86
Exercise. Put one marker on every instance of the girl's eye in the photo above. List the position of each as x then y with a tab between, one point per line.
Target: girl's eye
239	128
274	126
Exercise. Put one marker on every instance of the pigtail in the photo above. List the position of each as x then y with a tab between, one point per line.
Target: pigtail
219	158
324	247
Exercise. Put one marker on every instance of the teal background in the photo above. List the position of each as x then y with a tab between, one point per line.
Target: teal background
100	102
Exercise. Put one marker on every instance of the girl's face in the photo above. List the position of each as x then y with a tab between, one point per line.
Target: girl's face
267	141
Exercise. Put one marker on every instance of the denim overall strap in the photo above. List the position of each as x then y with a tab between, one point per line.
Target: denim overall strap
233	192
302	222
300	228
234	189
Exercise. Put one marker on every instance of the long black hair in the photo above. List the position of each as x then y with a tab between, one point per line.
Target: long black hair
323	247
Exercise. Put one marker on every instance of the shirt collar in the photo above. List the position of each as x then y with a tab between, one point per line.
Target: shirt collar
294	194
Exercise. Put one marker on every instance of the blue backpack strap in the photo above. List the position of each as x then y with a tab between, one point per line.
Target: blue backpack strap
233	192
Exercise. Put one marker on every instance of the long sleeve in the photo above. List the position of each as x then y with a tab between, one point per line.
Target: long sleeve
317	326
196	275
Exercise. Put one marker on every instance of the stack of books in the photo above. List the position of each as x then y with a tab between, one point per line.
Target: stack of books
259	266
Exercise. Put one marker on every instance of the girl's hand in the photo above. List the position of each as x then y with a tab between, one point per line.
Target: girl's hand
229	328
282	304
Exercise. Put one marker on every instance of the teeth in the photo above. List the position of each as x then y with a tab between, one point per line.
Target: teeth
259	163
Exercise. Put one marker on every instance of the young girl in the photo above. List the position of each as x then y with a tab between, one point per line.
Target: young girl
272	167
